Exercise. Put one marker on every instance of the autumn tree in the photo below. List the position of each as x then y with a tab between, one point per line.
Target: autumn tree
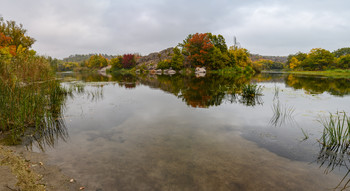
294	63
128	61
97	61
17	34
239	57
300	56
198	48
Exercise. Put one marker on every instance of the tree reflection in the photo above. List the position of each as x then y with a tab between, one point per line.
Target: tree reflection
204	92
319	85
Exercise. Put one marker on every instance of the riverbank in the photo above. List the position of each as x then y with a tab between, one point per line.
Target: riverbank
329	73
24	170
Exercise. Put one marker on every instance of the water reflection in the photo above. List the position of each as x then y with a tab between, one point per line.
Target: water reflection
311	84
204	92
47	134
55	130
135	141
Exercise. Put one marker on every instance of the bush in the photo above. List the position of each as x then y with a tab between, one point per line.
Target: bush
164	64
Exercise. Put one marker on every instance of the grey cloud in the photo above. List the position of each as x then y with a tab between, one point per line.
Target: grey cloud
267	27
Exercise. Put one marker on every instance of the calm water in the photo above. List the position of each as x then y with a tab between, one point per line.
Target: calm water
187	133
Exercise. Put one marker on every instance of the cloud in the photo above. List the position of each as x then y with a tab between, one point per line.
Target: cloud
268	27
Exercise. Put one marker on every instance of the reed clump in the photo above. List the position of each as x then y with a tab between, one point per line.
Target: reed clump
30	96
336	132
334	145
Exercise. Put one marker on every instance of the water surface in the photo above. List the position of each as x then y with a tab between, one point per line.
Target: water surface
185	133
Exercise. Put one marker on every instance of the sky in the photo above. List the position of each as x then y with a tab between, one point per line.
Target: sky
267	27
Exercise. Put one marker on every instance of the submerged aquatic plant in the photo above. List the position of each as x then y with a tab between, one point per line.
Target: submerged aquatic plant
276	93
281	114
306	135
334	143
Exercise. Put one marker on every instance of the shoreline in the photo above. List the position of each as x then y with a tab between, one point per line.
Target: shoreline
26	170
328	73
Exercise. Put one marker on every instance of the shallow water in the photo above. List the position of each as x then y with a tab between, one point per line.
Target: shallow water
188	133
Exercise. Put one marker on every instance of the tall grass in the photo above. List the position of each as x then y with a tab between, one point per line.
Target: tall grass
30	97
251	95
251	90
336	131
36	106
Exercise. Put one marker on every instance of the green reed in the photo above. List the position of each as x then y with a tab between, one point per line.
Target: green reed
334	144
31	105
251	90
336	131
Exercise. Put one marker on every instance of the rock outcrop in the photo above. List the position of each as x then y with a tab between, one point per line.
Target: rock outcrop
151	60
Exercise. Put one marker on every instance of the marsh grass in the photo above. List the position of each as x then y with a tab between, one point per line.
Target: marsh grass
251	90
251	95
35	106
334	143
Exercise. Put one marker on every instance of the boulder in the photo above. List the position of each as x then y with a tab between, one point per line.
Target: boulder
200	70
198	75
159	71
171	72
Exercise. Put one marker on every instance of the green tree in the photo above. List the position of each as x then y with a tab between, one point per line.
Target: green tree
177	61
97	61
218	60
341	52
300	56
318	59
117	62
219	42
164	64
343	62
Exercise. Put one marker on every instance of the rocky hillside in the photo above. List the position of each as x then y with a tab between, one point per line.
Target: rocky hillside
256	57
151	60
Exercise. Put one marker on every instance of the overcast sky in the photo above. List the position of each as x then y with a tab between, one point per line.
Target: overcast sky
267	27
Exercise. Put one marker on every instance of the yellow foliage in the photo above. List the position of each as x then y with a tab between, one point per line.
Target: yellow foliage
294	63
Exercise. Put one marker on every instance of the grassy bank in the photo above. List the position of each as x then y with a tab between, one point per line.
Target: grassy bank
338	73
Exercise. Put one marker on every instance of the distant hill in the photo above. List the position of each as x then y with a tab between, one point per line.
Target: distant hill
282	59
82	57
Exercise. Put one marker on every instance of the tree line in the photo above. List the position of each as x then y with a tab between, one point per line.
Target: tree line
210	51
319	59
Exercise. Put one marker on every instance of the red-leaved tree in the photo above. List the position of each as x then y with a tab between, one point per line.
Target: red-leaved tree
128	61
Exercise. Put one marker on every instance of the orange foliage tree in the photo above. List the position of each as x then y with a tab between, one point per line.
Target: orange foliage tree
199	48
5	42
